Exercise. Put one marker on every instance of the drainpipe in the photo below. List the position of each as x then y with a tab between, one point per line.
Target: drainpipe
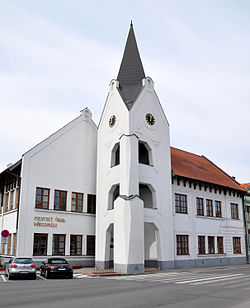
245	227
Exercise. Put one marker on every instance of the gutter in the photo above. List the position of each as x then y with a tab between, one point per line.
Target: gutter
245	227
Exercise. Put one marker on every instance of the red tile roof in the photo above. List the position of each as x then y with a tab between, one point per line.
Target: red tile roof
246	186
192	166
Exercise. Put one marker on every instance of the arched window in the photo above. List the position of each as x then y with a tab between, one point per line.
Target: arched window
115	155
113	195
145	153
147	194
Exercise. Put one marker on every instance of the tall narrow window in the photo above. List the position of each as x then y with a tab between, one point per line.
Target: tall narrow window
40	244
201	245
209	207
113	195
60	200
211	245
218	209
146	194
58	244
11	200
90	245
17	198
236	245
143	154
42	198
91	206
75	245
180	203
77	202
6	203
234	211
200	206
115	155
220	244
182	245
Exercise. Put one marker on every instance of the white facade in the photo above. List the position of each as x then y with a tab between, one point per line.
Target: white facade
126	163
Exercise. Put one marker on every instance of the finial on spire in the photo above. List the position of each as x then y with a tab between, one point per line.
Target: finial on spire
131	23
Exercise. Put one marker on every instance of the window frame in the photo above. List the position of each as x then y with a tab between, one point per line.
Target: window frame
60	200
220	245
237	245
201	245
182	245
42	197
40	235
91	204
181	208
218	209
78	207
90	249
211	248
209	208
234	211
57	253
199	206
74	238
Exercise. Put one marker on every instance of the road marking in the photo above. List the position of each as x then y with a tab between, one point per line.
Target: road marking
208	278
78	276
217	281
4	278
41	277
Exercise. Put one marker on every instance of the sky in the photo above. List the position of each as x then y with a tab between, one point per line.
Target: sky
58	56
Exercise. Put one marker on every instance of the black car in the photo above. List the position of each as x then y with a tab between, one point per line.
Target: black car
56	267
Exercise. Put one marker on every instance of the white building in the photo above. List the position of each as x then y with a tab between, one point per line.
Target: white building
156	205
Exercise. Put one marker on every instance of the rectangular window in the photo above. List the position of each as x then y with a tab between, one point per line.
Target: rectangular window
218	209
77	202
90	245
236	245
58	244
40	244
200	206
211	244
180	203
60	200
220	244
9	246
91	204
6	202
11	200
201	245
234	211
17	198
182	245
75	245
42	198
209	207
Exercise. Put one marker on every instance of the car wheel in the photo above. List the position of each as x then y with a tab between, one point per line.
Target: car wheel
33	277
10	276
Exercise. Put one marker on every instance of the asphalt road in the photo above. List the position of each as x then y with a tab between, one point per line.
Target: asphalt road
182	288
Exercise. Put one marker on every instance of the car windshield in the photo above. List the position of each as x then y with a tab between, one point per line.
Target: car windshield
58	261
23	261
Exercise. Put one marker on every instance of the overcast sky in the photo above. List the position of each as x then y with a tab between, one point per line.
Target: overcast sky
58	56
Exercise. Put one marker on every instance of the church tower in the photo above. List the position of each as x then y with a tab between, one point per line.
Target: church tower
134	221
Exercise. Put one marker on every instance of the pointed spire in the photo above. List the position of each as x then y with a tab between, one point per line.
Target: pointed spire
131	71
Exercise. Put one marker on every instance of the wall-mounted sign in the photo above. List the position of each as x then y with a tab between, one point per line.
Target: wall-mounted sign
47	222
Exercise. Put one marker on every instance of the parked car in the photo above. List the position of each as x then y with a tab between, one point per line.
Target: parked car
59	267
20	267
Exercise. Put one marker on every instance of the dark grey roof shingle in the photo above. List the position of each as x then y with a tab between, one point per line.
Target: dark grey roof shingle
131	71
